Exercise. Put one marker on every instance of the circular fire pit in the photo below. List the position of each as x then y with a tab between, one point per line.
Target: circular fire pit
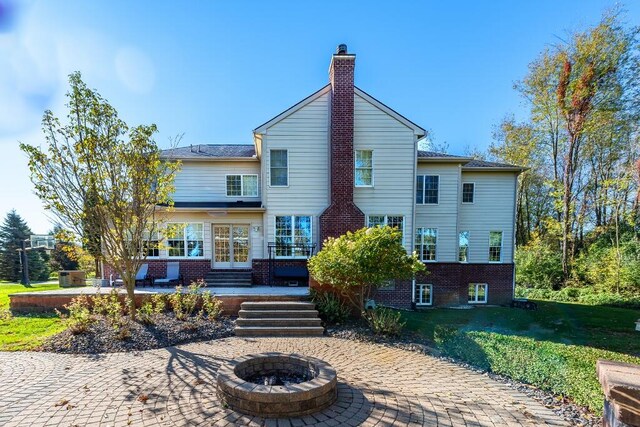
277	385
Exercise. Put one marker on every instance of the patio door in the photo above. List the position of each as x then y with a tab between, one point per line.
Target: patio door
231	246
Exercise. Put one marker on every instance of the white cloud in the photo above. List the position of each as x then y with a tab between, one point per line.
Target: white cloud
135	70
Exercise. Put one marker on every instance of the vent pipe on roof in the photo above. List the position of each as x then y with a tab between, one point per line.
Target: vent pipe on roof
191	147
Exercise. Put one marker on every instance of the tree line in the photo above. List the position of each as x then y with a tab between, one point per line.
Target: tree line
578	202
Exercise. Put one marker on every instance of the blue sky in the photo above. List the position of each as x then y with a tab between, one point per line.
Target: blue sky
214	70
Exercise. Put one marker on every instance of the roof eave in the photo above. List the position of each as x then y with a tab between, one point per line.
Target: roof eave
494	169
212	159
444	159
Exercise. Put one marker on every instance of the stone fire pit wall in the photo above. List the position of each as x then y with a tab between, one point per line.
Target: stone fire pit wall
292	400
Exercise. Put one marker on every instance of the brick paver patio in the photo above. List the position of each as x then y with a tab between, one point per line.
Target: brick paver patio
176	386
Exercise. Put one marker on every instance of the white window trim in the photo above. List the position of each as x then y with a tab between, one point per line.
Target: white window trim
501	247
424	190
293	229
424	304
420	253
242	175
373	179
184	238
386	222
468	246
288	167
486	293
474	193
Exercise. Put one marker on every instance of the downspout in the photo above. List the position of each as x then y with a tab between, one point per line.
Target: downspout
513	236
413	214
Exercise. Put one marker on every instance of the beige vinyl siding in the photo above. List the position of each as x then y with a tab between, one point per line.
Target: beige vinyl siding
304	134
393	146
492	210
253	219
207	182
443	215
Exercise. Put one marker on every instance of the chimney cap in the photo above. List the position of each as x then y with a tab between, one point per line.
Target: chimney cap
342	49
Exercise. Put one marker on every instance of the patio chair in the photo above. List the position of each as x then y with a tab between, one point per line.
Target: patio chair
142	277
173	275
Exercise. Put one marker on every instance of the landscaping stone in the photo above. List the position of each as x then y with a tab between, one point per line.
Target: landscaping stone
101	337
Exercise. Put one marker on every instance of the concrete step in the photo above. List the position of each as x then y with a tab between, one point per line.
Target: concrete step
227	280
277	314
228	285
279	322
225	274
270	331
277	305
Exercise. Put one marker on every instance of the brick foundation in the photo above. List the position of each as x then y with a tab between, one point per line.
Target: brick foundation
451	284
191	269
260	269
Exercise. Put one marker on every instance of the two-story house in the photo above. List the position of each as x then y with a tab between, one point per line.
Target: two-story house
336	161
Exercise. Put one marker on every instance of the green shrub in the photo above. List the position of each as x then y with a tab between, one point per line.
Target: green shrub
182	303
538	266
211	306
384	321
151	308
79	316
332	309
568	370
586	295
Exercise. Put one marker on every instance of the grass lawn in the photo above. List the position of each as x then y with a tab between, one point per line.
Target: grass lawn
607	328
555	347
25	331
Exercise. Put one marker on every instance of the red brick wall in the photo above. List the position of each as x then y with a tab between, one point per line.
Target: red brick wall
342	215
191	269
260	269
451	284
29	303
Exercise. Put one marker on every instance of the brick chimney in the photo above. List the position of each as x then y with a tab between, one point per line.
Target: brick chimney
342	215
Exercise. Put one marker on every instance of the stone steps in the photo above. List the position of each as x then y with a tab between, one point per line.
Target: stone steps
278	319
227	278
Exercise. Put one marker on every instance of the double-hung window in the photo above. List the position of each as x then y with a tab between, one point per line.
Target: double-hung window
426	243
364	168
185	239
477	293
468	192
463	246
423	294
279	168
293	236
242	185
495	246
151	243
396	221
427	189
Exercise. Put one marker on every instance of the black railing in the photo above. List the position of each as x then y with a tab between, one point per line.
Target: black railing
288	251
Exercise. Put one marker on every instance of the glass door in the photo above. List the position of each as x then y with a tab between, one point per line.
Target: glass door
231	246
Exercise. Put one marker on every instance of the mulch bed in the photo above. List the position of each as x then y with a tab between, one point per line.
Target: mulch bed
560	405
101	337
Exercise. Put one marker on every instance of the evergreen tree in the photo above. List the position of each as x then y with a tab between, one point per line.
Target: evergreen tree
13	231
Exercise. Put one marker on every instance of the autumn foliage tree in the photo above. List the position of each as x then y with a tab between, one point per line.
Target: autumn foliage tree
102	179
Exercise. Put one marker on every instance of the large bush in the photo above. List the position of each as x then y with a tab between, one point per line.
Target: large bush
356	263
538	266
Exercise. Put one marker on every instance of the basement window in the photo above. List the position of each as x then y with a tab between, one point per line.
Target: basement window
478	293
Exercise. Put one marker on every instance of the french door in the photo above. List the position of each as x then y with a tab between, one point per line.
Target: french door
231	246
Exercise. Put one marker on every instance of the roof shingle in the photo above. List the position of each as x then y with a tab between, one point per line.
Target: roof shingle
211	151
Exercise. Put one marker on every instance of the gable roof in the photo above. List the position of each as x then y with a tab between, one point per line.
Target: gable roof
417	130
212	152
432	156
289	111
420	132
